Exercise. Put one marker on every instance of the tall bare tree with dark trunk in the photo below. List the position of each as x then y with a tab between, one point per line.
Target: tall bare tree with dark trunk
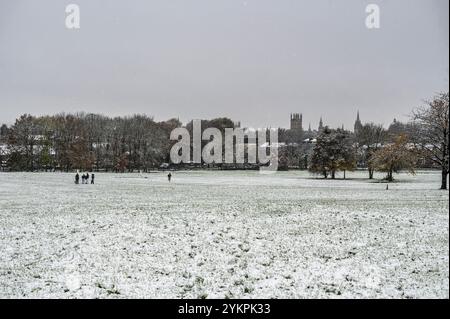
370	138
432	139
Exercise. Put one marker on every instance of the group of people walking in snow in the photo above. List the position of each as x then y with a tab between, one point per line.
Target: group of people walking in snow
84	178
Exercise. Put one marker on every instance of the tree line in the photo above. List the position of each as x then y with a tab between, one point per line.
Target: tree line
423	142
138	143
87	142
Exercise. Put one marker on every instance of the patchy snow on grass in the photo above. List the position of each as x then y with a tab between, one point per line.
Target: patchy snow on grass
219	234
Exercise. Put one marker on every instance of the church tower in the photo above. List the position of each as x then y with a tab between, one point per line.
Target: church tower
358	125
296	122
320	124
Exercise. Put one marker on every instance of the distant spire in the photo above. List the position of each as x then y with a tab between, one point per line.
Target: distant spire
309	128
320	124
358	124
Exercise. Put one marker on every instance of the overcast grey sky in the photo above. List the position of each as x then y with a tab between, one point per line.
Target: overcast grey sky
253	60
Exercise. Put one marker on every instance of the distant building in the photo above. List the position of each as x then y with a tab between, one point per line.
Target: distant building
296	122
320	124
358	125
398	128
3	131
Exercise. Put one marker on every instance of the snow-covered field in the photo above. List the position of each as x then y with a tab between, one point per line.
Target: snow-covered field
223	234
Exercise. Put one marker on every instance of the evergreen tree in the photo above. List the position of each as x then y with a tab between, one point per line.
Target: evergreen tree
333	152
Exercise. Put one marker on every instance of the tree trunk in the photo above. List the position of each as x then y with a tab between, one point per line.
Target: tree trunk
444	179
370	173
333	174
389	176
344	174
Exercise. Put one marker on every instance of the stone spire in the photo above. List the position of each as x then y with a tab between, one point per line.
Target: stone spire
320	124
358	124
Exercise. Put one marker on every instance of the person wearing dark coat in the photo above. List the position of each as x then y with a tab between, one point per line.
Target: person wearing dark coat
169	177
92	178
77	178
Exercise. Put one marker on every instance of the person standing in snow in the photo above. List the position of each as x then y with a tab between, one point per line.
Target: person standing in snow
92	178
77	178
169	177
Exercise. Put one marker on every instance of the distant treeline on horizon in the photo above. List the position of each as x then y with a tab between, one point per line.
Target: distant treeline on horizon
123	143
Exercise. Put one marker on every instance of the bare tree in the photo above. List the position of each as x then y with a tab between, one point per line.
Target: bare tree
370	138
432	139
